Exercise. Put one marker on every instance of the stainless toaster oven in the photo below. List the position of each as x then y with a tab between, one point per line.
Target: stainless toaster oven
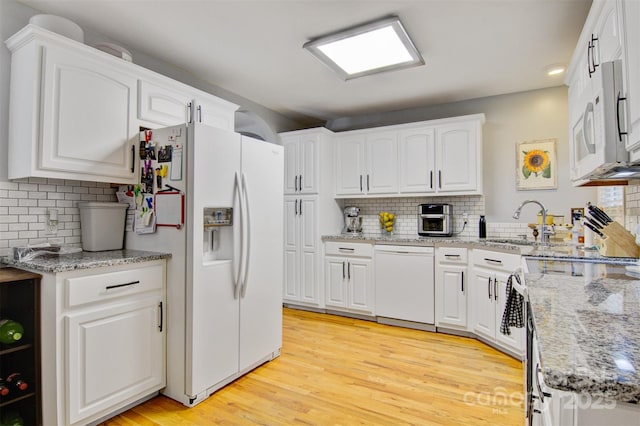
435	220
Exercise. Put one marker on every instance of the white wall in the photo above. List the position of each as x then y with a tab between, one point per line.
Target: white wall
510	119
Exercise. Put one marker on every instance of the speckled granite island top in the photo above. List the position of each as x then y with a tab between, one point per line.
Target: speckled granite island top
85	260
588	329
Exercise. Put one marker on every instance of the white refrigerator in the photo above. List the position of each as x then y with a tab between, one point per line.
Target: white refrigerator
224	279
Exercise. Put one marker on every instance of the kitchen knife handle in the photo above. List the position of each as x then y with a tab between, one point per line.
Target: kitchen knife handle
618	99
133	158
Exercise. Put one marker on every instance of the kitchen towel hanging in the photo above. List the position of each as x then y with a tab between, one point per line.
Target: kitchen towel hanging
513	315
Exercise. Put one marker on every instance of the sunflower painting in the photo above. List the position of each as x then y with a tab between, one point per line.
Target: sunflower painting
536	165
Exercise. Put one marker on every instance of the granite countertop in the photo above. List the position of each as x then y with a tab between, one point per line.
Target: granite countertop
85	260
524	248
587	328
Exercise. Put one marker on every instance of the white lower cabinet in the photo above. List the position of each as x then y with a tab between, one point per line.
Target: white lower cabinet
451	287
103	344
489	274
349	284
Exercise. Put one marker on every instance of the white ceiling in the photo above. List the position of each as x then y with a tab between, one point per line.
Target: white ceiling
472	48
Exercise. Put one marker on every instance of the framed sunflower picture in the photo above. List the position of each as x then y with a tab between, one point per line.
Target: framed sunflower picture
536	165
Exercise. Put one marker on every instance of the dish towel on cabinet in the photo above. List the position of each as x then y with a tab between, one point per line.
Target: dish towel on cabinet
513	310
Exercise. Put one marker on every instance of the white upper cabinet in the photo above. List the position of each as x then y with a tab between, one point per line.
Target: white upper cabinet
75	111
165	102
72	112
439	157
382	163
417	160
631	20
301	154
457	158
367	163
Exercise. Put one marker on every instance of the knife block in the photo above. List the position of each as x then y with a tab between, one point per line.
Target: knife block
619	242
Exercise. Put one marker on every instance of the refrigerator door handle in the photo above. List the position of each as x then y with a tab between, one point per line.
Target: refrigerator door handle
247	227
237	278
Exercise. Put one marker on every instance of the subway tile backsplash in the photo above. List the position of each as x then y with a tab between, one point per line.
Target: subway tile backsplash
406	210
24	204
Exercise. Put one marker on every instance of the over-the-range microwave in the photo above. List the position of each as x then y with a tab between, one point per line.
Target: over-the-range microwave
598	128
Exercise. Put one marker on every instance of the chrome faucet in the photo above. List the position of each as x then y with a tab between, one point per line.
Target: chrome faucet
545	234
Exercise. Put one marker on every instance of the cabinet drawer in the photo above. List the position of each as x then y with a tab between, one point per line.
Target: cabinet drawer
111	285
348	249
495	260
457	255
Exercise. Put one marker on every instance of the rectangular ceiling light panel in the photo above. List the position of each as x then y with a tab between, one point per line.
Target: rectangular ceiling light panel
375	47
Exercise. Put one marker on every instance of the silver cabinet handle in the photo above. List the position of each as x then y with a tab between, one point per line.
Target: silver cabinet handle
367	183
109	287
495	289
343	266
493	260
199	113
360	183
457	256
300	183
346	249
431	179
190	112
296	208
462	281
161	317
133	158
489	287
300	207
440	179
349	270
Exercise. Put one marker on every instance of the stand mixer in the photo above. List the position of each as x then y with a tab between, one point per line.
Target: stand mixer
352	221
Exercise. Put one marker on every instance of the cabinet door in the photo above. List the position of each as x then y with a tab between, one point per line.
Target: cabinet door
309	282
608	45
514	341
631	14
291	250
162	103
88	118
451	296
482	304
291	162
213	112
308	158
350	165
417	160
335	275
361	286
382	163
113	354
457	157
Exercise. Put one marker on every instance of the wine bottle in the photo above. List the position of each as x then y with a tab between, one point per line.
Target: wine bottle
4	387
10	331
12	418
15	381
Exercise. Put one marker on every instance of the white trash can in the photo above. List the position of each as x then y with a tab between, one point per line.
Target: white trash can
102	225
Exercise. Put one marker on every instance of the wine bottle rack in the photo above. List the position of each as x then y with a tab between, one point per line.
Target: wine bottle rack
20	301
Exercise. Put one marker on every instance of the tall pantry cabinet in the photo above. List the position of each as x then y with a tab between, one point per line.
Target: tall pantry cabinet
309	212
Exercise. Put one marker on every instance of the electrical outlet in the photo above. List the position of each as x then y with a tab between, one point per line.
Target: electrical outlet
465	216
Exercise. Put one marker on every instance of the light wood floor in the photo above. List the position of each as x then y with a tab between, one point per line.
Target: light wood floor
341	371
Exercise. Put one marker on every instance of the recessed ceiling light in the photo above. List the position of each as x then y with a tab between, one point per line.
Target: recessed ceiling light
378	46
553	70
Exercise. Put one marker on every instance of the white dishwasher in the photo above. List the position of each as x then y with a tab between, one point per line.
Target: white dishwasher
404	277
